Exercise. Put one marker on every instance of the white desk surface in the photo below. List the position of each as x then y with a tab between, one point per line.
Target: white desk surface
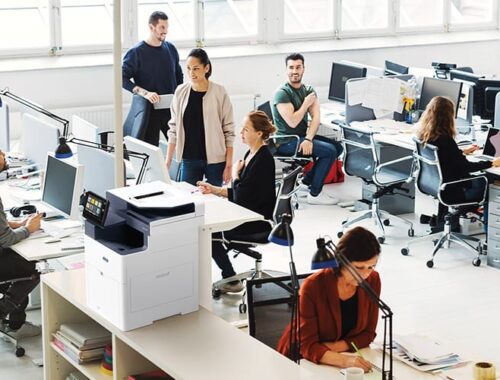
401	371
222	215
197	345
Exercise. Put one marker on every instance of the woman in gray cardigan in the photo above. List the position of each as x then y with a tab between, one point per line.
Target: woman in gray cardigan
201	130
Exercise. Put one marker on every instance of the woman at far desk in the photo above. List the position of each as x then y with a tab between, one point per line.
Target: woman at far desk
334	311
253	188
201	130
437	127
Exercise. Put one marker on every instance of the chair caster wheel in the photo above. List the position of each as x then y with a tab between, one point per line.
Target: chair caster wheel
216	293
381	239
20	352
405	251
386	222
339	234
430	264
243	308
476	262
411	232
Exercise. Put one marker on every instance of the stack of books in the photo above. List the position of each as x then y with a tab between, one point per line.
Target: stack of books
82	341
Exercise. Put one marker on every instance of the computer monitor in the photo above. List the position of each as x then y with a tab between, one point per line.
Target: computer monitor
432	87
487	91
465	104
84	130
4	127
156	169
99	169
392	68
341	73
38	138
62	186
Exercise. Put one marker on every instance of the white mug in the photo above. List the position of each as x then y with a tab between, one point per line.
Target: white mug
354	373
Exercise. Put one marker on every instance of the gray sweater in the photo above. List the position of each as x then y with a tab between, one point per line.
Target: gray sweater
8	236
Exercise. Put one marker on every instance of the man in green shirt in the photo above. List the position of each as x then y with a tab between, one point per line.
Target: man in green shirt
291	106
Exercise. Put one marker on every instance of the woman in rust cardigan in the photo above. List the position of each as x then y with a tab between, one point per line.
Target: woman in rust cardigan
334	311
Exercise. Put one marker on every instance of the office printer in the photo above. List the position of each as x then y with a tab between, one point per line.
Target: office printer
142	259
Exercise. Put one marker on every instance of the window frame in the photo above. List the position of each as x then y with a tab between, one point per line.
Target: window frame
270	28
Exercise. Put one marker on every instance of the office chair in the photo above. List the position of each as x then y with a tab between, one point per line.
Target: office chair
4	286
290	162
269	307
361	160
246	244
430	182
138	117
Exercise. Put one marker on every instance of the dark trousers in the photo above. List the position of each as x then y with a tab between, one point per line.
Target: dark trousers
158	121
220	253
15	298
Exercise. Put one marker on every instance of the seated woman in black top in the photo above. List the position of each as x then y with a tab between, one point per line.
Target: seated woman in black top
438	129
253	187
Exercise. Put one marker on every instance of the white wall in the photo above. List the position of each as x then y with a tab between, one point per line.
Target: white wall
243	75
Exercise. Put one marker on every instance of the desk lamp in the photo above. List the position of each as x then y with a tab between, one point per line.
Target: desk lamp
64	151
282	235
327	256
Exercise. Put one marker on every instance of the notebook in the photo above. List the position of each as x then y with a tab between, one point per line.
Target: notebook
491	145
165	102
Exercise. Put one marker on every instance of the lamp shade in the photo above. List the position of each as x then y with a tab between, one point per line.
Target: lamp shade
279	235
323	258
63	150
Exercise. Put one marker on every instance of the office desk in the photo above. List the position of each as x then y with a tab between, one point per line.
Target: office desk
197	345
401	371
220	215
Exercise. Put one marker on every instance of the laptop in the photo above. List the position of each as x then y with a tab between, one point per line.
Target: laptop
491	146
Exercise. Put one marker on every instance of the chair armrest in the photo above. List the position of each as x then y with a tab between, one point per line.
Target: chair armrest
464	180
104	136
410	176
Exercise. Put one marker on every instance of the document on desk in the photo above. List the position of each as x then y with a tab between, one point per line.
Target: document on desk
424	354
377	94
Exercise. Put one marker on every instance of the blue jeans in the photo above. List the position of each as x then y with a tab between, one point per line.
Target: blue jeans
193	171
325	152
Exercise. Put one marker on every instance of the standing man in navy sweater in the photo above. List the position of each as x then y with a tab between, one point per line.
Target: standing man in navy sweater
153	64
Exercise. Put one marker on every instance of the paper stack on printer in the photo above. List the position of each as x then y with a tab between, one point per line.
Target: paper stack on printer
423	353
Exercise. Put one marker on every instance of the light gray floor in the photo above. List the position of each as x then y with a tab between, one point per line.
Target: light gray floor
454	301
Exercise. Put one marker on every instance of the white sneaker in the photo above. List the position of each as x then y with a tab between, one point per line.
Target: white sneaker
322	199
27	330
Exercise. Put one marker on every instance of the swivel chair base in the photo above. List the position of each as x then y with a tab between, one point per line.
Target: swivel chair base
443	240
256	273
377	215
6	336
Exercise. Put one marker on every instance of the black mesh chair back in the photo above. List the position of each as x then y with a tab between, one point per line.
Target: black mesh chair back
266	108
269	307
429	178
138	118
360	158
286	190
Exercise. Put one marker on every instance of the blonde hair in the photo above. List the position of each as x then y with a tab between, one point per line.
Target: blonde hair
437	120
261	123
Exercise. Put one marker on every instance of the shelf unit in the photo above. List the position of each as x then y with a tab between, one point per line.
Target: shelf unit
190	346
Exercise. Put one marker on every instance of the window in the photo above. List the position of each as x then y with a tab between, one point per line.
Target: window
421	14
313	16
30	27
230	18
86	22
359	15
181	18
24	24
466	12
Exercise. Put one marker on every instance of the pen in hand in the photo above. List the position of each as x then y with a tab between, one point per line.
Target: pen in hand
362	357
